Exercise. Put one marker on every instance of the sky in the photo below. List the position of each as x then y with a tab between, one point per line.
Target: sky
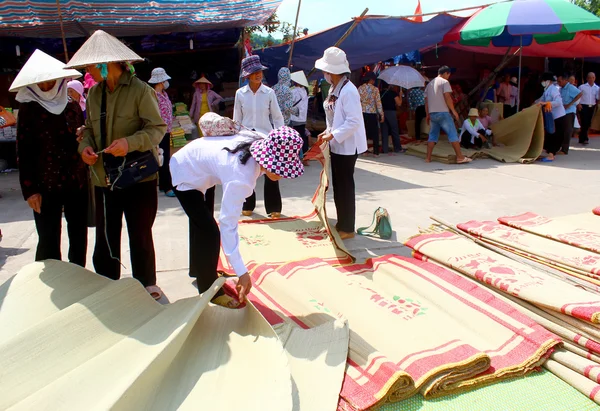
317	15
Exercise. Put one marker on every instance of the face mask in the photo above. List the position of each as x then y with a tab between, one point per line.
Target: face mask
545	84
327	78
166	85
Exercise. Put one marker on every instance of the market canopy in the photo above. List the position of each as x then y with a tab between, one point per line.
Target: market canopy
375	38
40	18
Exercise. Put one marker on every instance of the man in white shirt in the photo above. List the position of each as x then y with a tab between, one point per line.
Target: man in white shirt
589	98
438	105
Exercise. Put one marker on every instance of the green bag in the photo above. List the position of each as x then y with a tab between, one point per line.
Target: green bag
380	227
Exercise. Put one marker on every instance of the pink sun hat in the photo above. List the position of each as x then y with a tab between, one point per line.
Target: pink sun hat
279	153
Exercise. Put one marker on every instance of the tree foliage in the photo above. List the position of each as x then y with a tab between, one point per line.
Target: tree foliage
593	6
262	36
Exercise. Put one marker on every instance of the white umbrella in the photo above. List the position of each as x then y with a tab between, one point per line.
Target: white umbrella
403	76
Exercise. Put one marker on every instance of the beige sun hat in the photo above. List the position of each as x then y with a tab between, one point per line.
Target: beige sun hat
473	112
39	68
334	61
203	80
102	48
300	78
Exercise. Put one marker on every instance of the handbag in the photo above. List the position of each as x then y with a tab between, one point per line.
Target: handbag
380	227
6	118
123	172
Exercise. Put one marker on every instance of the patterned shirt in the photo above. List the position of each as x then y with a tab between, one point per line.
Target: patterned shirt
166	109
416	98
370	99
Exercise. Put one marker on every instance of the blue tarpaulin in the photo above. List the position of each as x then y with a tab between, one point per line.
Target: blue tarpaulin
374	39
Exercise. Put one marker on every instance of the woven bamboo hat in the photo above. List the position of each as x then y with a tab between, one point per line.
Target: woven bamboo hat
300	78
39	68
102	48
202	80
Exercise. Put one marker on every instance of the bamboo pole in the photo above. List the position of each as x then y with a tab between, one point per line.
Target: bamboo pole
62	31
294	34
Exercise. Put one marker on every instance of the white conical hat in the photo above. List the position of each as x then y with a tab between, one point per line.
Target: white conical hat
39	68
102	48
300	78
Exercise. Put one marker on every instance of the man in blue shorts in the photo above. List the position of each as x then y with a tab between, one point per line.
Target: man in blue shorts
438	106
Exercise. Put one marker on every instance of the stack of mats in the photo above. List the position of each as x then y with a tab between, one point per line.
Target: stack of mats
178	137
521	136
547	268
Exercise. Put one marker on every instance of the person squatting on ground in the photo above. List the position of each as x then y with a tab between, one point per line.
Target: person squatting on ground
235	160
255	107
473	133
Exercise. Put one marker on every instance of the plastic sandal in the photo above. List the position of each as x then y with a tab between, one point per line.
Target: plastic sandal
170	193
155	292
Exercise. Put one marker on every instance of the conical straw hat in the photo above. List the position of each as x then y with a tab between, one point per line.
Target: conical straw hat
300	78
39	68
203	80
102	48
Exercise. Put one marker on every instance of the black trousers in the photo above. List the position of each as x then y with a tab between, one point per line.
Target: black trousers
390	127
587	114
553	142
301	129
272	198
372	129
509	110
568	125
164	173
344	192
139	204
205	237
48	225
420	114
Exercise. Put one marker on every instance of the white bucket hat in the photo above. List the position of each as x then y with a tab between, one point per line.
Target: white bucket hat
473	112
39	68
102	48
158	75
300	78
334	61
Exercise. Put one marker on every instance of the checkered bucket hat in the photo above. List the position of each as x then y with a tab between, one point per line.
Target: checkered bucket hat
279	153
213	124
251	64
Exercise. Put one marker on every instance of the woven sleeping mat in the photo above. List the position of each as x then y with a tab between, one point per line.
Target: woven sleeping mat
507	275
580	230
73	340
414	326
296	238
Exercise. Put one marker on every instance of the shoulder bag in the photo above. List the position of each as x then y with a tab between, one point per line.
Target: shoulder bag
380	227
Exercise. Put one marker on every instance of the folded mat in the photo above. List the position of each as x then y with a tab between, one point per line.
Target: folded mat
297	238
596	211
522	137
539	391
572	260
72	340
507	275
428	314
580	230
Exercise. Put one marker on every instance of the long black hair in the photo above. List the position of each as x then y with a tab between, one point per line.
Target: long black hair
243	149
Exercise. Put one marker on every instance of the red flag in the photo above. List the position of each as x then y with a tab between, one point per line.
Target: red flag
418	10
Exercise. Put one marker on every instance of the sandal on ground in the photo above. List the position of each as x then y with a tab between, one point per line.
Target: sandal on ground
346	236
464	160
546	160
226	301
155	292
247	213
170	193
275	215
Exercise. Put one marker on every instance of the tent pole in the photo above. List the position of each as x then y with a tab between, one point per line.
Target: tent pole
294	34
62	31
519	83
345	36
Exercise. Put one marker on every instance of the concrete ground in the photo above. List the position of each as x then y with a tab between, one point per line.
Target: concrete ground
410	189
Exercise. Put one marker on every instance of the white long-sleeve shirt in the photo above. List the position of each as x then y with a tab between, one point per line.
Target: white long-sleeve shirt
473	129
256	110
552	95
202	164
348	126
300	97
591	94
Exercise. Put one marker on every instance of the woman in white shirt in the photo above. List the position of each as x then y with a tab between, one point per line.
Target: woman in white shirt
553	141
300	92
235	160
346	132
255	108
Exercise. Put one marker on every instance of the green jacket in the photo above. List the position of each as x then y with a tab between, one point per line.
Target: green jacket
131	112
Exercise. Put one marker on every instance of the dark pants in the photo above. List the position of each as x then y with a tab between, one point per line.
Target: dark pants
48	225
553	142
420	114
587	113
139	204
390	126
205	237
372	129
569	124
465	139
301	129
344	196
164	173
509	110
272	198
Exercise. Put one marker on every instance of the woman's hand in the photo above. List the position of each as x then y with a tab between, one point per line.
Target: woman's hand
35	202
118	148
243	287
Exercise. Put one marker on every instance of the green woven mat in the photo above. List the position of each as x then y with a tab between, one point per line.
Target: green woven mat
540	391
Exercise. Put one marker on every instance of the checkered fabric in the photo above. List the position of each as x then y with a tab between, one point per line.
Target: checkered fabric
279	153
251	64
213	124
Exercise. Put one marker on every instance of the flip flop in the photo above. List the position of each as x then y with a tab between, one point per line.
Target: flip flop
546	160
155	292
464	160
